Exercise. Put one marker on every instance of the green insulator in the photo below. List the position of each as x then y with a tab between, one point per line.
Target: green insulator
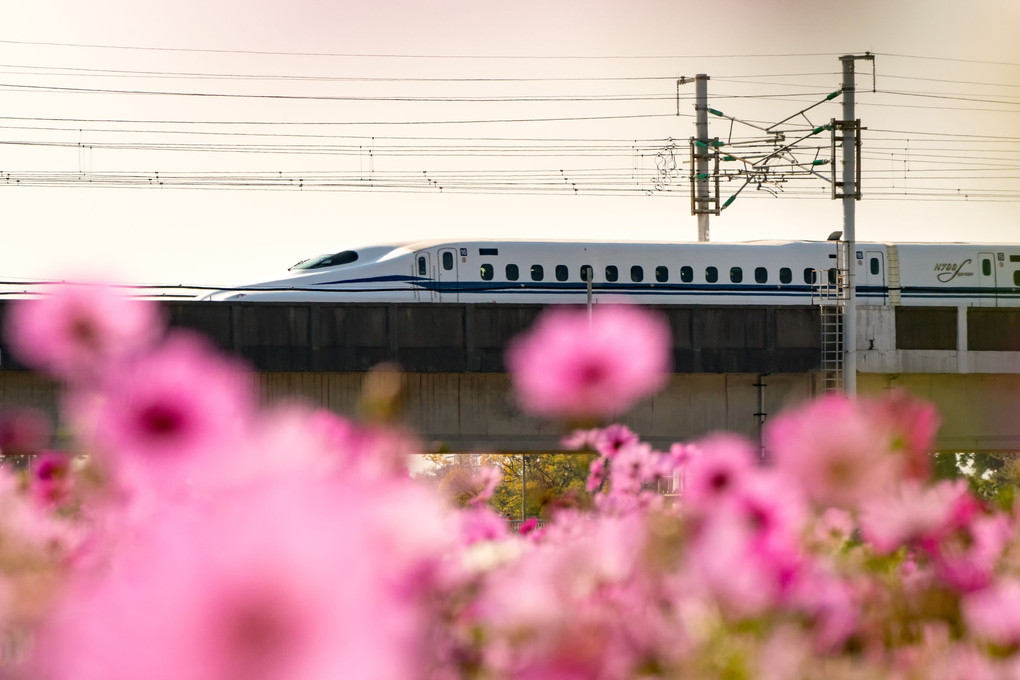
818	129
700	144
729	158
716	113
820	161
701	175
729	200
716	144
833	95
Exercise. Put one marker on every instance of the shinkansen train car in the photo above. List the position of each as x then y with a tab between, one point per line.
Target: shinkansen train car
550	272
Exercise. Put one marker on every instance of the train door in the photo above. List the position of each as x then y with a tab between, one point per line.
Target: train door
986	280
423	282
448	280
873	281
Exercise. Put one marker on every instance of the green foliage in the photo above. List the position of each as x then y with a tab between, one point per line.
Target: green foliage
552	478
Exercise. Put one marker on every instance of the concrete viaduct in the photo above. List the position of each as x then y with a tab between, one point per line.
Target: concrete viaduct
734	366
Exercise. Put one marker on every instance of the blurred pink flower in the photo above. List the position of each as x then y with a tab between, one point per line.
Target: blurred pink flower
993	613
77	331
569	368
278	582
717	468
966	558
610	440
50	481
835	449
911	512
909	425
172	406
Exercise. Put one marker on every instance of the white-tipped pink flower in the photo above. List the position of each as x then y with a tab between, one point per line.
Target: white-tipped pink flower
569	367
76	331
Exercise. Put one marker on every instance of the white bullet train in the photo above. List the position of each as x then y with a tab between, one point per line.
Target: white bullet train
545	272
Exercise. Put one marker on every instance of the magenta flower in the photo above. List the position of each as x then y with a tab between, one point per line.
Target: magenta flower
173	405
717	469
568	367
76	331
50	481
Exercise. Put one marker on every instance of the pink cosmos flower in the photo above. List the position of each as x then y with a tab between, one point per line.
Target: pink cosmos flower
279	581
77	331
911	513
909	425
719	467
966	558
50	480
994	612
568	367
172	406
833	446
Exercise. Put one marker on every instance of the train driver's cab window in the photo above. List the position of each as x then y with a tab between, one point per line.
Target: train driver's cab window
587	273
637	274
537	272
487	272
686	274
785	275
423	267
873	265
612	273
736	274
711	274
761	275
513	272
447	260
662	274
561	272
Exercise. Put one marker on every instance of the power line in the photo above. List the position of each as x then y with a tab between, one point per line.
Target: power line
416	56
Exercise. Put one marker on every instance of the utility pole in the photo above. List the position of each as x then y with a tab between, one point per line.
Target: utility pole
851	193
701	153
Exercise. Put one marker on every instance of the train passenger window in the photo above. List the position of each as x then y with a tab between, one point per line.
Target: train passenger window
736	274
986	267
423	268
873	265
761	275
537	273
586	272
561	272
809	276
711	274
612	273
832	276
487	272
637	274
512	272
447	260
662	274
785	275
686	274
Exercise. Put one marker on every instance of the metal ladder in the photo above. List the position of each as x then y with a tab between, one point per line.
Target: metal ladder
829	292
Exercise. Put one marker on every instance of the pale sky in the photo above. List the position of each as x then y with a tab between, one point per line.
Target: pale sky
357	114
